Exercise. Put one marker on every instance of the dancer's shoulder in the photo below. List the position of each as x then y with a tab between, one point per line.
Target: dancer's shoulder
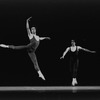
68	48
78	47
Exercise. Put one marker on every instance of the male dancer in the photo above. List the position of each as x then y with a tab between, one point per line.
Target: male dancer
31	47
74	61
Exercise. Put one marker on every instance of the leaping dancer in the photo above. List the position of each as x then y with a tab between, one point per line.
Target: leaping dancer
31	47
74	61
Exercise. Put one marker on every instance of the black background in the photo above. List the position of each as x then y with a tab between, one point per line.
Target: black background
62	20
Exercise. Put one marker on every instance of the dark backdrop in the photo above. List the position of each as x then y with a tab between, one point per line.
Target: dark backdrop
62	20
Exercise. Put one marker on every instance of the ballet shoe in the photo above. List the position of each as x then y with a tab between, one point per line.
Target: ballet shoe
41	75
74	82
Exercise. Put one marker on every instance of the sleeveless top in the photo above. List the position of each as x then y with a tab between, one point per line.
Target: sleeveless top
32	46
74	54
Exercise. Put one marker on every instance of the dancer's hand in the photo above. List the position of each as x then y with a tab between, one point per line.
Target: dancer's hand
4	46
93	51
62	57
29	18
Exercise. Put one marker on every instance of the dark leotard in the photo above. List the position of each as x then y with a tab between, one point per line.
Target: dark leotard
74	55
33	45
74	62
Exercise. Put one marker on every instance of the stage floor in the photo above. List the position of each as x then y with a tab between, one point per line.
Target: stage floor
49	88
49	93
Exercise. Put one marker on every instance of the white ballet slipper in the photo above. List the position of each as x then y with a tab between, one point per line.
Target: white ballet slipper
41	75
4	46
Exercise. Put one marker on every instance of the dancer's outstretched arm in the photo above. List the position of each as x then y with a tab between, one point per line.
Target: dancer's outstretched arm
42	38
65	52
86	50
27	26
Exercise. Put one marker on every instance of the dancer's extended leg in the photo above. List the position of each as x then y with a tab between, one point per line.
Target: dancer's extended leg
31	54
18	47
36	66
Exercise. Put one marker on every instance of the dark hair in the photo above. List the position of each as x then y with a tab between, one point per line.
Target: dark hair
72	40
33	28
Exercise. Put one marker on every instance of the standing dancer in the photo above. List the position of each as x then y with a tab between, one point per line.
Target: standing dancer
31	47
74	61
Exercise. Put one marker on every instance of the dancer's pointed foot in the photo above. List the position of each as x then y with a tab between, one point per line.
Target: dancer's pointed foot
74	82
41	75
4	46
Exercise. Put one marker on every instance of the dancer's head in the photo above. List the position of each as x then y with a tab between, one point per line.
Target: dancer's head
33	30
73	42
